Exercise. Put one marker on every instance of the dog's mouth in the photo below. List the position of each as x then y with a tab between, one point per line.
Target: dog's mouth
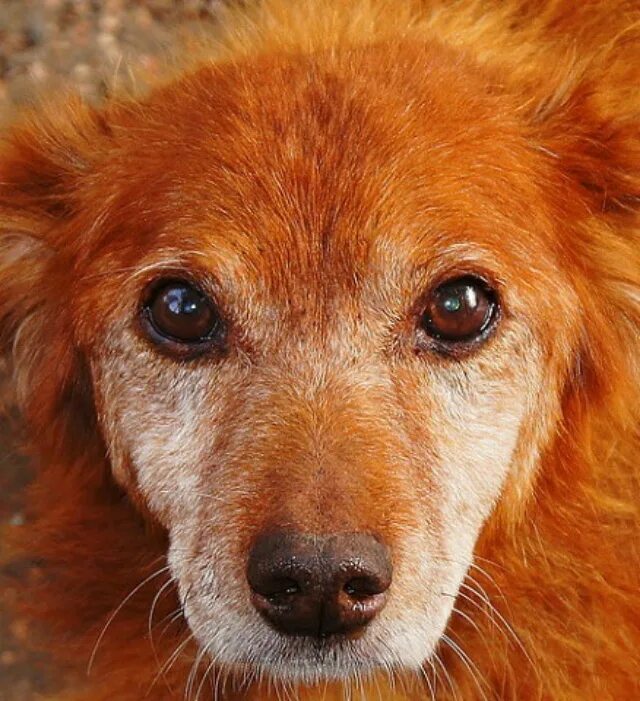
256	649
311	661
315	609
248	647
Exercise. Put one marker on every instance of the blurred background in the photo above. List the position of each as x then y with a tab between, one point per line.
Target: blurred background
49	46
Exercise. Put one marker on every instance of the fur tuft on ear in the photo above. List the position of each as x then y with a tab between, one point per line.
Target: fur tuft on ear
42	162
587	128
595	150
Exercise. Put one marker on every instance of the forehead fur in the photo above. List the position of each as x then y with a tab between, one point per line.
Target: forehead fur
313	137
327	183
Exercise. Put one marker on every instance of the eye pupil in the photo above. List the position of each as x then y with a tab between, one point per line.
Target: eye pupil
460	310
179	312
179	300
452	304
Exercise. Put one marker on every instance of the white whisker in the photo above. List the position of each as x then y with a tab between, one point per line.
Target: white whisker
113	615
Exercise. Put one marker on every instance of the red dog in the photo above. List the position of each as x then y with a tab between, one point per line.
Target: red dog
329	350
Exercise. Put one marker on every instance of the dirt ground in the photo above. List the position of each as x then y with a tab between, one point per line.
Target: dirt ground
47	46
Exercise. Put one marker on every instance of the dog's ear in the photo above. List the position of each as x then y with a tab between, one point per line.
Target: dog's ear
43	161
587	131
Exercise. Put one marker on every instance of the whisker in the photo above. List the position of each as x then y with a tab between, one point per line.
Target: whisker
179	259
169	619
113	615
467	618
454	689
436	676
504	623
424	676
501	624
164	670
165	587
474	566
193	673
469	665
205	676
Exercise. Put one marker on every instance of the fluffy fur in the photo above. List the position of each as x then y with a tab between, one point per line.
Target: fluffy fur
547	97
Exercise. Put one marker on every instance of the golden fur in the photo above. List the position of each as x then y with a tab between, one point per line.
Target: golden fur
551	607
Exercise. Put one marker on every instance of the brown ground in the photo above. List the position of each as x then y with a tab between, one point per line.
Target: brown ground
48	45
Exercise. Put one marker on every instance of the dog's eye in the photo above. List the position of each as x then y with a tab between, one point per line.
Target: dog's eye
179	312
459	310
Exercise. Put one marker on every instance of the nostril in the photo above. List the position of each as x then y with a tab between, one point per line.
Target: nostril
364	587
278	587
272	568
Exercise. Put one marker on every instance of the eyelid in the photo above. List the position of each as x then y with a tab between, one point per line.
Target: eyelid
201	279
428	280
159	277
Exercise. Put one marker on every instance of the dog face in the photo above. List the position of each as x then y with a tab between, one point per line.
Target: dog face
323	390
328	329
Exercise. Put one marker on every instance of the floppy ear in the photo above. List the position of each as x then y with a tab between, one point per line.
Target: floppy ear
587	131
591	130
42	162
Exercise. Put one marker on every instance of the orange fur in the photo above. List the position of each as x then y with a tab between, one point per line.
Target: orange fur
83	192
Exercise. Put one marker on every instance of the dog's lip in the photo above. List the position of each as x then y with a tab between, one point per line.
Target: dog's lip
313	660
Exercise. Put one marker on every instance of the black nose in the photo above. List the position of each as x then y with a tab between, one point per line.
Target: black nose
319	585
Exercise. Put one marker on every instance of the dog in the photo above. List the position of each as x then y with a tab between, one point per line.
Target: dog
327	348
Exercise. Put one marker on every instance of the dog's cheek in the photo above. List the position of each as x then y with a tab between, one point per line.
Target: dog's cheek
158	427
481	421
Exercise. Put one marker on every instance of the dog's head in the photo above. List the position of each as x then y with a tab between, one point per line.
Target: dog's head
327	313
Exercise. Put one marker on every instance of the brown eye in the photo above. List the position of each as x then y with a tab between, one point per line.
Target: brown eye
178	312
460	310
